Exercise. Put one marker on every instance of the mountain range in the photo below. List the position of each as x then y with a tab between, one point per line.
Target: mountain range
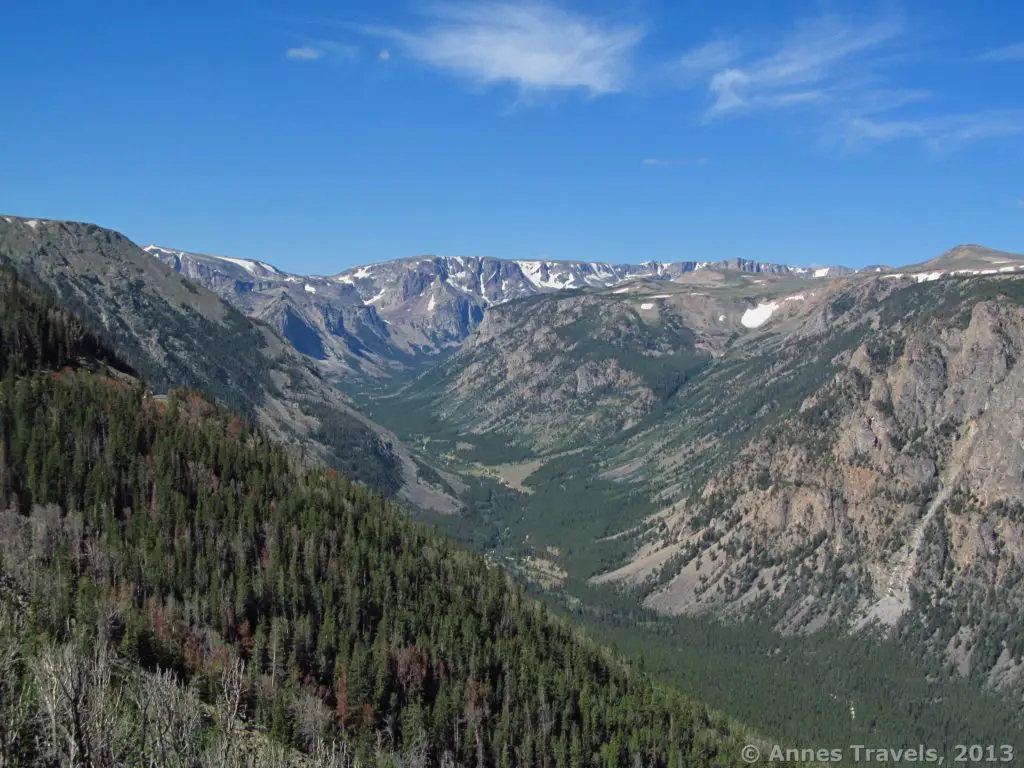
830	454
395	316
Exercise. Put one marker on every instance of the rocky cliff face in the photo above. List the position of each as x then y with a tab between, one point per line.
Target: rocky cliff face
890	495
322	318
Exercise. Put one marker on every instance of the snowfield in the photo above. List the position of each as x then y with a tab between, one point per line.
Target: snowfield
759	315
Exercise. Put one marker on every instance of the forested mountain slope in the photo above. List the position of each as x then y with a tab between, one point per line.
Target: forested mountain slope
177	333
847	455
866	470
569	370
144	533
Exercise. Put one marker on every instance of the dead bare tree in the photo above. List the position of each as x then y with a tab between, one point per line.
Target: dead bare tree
17	713
64	686
547	722
330	754
228	703
312	717
278	631
269	755
416	753
105	703
169	716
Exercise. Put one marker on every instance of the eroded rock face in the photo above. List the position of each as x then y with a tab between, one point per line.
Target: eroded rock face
554	375
894	495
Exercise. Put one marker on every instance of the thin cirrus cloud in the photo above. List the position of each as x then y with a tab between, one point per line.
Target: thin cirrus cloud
1006	53
817	63
940	132
536	46
712	56
665	162
842	71
304	53
322	49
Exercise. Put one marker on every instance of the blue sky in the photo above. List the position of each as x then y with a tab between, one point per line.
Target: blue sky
320	135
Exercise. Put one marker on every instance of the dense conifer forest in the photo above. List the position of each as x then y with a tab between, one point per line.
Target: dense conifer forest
797	687
176	590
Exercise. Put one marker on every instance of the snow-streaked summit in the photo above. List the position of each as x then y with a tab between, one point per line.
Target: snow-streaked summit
254	268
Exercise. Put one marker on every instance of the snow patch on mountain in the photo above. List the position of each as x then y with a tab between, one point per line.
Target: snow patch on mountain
363	272
539	276
255	268
759	315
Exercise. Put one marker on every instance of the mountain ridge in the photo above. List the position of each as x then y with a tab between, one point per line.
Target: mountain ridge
648	268
178	333
392	318
395	318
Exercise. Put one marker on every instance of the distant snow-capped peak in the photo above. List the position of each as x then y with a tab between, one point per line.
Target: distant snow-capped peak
256	268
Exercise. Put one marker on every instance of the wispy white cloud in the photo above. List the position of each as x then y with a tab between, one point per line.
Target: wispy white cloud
941	132
1006	53
824	59
670	161
843	72
304	53
384	55
874	100
321	49
536	46
706	59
